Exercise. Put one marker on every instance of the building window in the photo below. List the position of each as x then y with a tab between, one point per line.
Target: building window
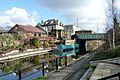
15	27
39	34
35	35
46	22
51	22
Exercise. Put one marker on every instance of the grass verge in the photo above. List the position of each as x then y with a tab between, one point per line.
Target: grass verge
40	78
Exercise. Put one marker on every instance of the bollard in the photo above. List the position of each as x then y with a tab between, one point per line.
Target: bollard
43	69
65	60
19	74
56	61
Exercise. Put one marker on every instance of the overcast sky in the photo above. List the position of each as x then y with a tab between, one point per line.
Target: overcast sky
90	13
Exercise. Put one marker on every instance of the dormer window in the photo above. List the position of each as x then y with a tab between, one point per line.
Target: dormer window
46	22
51	22
15	27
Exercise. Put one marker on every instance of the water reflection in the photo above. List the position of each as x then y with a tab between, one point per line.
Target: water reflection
10	76
67	52
32	74
28	76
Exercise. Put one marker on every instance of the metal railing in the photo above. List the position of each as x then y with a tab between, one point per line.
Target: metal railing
42	66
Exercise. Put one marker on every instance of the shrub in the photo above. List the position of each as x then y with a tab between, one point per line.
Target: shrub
7	40
5	68
36	60
21	46
46	43
35	42
106	54
17	37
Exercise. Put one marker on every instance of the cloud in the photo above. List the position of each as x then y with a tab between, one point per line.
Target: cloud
89	12
62	4
17	16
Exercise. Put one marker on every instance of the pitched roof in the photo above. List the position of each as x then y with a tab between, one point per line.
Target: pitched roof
40	27
52	22
30	28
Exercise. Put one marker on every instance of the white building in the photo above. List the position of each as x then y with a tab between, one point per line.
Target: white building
70	30
54	28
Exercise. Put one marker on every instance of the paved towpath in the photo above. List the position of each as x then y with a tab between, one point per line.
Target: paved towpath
73	71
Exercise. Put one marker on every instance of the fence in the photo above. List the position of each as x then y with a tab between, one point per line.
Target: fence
50	65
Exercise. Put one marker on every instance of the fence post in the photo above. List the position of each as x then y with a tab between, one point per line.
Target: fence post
43	69
56	64
19	74
60	61
65	60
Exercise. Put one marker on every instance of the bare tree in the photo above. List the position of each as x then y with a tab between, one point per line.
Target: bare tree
111	21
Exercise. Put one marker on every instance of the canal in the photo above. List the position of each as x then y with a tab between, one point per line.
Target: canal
35	66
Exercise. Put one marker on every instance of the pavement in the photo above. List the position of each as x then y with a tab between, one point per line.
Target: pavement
73	71
104	70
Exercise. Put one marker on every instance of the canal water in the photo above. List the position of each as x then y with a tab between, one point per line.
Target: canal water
10	74
29	75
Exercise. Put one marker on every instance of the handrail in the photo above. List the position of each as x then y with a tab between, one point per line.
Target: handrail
111	76
41	65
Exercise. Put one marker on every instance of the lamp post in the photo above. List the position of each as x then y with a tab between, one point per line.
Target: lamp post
97	34
113	36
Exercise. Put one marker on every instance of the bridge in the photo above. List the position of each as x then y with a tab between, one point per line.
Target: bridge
82	38
96	36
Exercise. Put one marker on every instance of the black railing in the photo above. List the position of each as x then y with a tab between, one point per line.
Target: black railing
111	76
57	61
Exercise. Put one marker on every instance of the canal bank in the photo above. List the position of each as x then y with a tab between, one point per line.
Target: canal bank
18	55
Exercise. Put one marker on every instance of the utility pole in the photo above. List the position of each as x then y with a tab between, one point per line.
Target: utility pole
41	19
97	35
77	21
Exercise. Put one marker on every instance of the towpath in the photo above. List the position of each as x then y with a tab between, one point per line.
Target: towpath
73	71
